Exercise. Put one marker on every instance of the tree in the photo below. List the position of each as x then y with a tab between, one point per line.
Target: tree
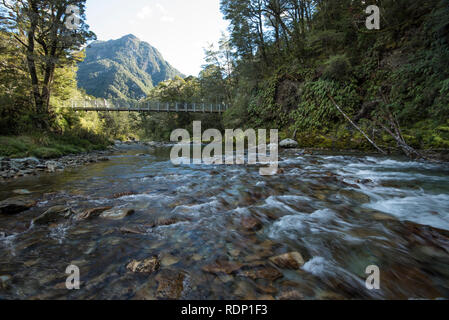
219	70
51	33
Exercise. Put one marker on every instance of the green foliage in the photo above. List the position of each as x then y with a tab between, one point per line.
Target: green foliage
337	67
46	145
285	70
316	111
190	90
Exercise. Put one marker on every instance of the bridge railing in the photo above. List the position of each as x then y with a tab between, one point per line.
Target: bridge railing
148	106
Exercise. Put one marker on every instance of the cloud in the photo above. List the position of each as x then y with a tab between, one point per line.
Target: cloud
145	13
167	19
161	8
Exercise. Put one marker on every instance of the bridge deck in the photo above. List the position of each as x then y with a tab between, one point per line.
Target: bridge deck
100	106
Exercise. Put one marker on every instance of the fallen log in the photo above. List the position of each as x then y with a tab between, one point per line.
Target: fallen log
356	126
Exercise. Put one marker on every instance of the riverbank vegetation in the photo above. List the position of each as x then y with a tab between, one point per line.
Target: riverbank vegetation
291	57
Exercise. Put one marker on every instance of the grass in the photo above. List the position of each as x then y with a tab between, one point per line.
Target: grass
50	145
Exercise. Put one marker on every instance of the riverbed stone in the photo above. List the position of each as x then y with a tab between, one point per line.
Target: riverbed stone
21	192
288	144
122	194
355	196
95	212
290	295
264	272
16	205
223	266
292	260
149	265
251	224
4	280
117	214
170	285
169	260
54	214
383	217
133	230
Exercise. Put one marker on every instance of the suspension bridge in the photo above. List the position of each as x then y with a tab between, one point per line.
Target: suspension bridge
149	106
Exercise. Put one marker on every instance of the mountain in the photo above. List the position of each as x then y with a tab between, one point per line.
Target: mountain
123	68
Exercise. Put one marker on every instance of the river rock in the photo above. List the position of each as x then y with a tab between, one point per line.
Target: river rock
267	273
16	205
290	295
355	196
133	230
117	214
170	285
4	279
292	260
383	217
122	194
223	266
54	214
95	212
288	144
251	224
52	166
146	266
169	260
21	192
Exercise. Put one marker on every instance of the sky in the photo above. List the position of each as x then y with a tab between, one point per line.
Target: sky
179	29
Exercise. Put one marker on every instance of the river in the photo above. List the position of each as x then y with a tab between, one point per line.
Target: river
215	228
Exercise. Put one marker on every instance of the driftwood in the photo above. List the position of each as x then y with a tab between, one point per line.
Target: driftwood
356	126
396	132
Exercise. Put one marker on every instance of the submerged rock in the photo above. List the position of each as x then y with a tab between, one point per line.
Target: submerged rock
117	214
123	194
95	212
164	222
251	224
169	260
267	273
288	144
292	260
21	191
133	230
290	295
4	279
146	266
16	205
170	284
219	266
54	214
355	196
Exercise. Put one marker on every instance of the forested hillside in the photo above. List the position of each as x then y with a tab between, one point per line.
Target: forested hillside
291	56
126	68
